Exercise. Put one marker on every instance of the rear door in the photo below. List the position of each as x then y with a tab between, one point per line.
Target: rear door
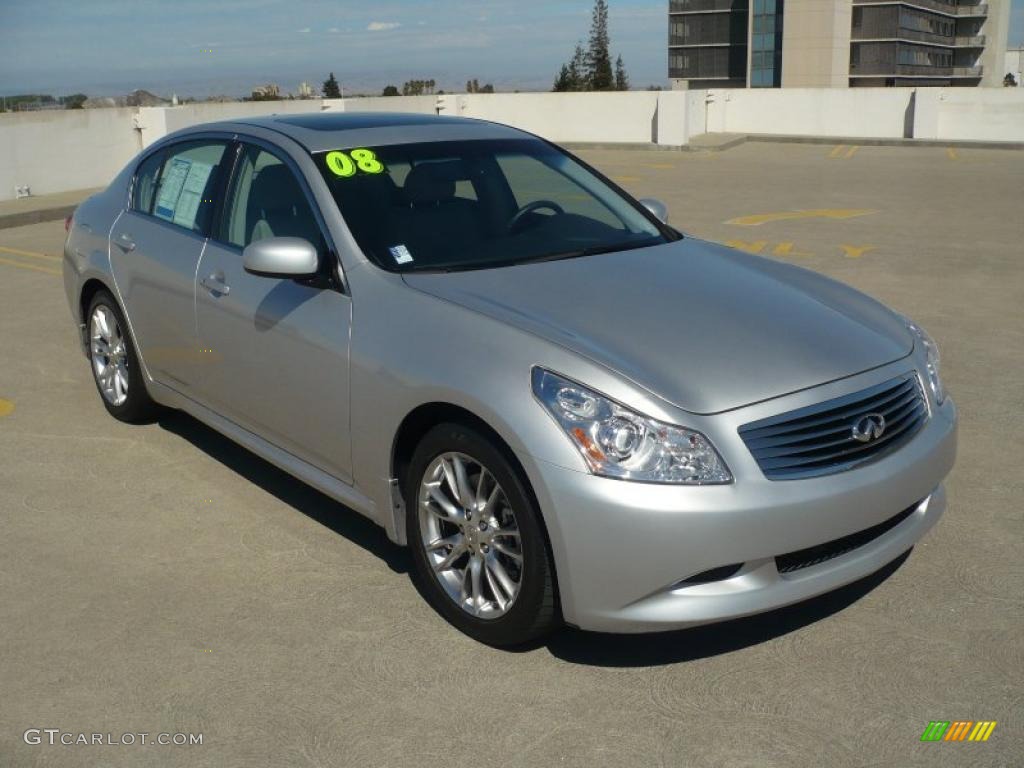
277	349
155	247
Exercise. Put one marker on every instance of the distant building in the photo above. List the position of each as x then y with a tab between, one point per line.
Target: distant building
1015	65
266	92
836	43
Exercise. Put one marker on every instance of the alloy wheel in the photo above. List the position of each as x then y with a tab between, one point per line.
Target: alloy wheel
109	355
470	535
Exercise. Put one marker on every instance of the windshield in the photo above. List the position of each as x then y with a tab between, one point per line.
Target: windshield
479	204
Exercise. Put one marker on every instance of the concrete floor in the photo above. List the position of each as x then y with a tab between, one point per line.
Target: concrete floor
159	579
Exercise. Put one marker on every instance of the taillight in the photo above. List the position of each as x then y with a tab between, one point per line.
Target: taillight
67	222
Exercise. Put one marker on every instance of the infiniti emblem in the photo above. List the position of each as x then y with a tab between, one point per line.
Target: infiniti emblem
868	428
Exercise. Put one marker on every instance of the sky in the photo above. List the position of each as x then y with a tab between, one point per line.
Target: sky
208	47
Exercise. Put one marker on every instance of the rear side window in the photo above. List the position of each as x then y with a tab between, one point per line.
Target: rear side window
178	185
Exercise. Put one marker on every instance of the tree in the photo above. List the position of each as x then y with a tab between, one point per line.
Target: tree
578	80
331	88
621	78
1010	81
74	101
488	88
574	76
563	81
599	60
390	90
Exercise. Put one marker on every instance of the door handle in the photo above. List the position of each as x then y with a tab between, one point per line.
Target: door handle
215	284
125	242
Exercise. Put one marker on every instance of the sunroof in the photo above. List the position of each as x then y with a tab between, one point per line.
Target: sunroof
344	121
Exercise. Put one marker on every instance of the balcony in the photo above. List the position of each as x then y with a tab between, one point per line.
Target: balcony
705	6
694	41
981	9
881	69
947	8
914	35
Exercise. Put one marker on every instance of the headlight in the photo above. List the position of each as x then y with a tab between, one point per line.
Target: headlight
931	359
617	442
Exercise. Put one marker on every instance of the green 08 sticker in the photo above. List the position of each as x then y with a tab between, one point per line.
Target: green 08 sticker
346	165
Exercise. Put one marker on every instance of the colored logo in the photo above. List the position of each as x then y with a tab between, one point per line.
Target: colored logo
958	730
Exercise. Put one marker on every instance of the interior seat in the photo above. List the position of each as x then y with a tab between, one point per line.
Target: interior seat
277	207
432	218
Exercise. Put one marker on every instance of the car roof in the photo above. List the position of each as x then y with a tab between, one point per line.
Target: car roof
339	130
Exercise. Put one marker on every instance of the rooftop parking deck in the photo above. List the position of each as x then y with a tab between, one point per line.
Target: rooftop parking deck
160	578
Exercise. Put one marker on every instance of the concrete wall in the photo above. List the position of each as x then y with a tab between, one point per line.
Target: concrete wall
157	122
56	151
75	149
424	105
569	117
970	114
856	112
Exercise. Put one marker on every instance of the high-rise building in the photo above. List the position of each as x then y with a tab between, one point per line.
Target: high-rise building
836	43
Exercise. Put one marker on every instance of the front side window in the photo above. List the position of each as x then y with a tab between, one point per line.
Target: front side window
265	200
184	189
146	178
479	204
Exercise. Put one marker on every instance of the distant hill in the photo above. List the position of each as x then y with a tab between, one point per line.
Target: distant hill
137	98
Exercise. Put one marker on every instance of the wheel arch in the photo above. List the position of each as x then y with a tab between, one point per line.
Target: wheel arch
425	417
90	288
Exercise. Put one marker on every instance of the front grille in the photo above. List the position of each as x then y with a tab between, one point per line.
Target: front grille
818	440
805	558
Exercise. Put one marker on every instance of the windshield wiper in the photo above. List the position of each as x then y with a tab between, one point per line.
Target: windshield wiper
560	256
592	251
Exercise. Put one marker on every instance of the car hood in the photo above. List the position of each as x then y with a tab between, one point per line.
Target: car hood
702	326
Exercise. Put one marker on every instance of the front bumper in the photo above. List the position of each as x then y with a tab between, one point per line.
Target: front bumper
622	549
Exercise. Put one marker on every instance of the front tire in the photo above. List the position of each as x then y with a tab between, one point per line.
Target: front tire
115	363
478	548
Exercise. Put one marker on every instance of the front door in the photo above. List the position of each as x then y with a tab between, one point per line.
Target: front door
154	250
277	349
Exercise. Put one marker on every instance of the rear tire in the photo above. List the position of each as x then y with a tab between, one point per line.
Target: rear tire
115	363
492	527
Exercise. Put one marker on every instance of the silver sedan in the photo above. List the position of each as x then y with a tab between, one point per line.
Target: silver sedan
567	409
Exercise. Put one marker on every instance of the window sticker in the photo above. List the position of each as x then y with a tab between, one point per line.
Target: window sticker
181	191
187	209
401	254
170	188
345	165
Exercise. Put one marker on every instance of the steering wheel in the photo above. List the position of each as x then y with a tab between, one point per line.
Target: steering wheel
536	205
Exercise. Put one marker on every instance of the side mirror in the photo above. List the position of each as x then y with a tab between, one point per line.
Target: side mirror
658	208
283	257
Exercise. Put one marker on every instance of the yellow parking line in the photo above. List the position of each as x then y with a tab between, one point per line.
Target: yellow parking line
851	153
44	270
951	153
660	166
33	254
837	151
624	179
6	406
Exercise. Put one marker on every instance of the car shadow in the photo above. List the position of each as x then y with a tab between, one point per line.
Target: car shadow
652	650
315	505
569	644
